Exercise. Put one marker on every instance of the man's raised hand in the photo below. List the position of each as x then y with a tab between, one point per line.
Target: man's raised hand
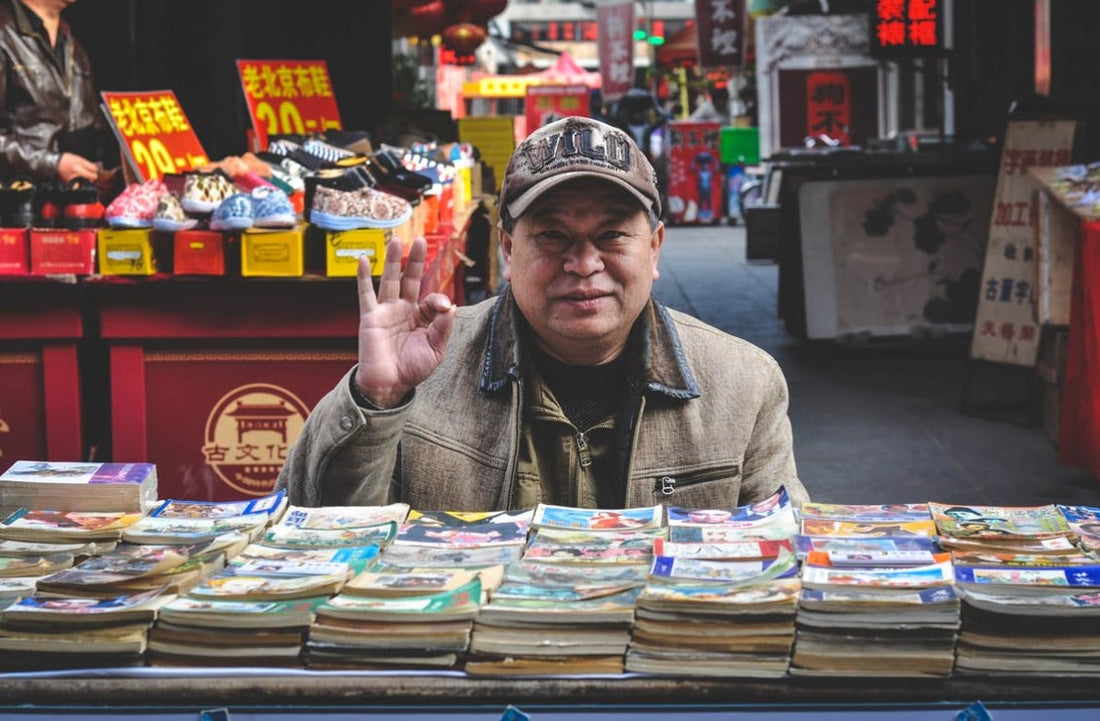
401	338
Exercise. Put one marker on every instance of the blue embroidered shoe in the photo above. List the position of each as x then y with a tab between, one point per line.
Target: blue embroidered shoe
271	208
234	213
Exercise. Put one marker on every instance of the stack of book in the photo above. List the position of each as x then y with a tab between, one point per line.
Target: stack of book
61	486
43	631
1030	591
876	601
723	606
24	563
254	610
569	607
418	615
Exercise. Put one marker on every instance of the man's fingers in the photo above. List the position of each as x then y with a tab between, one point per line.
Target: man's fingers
442	313
414	270
389	289
367	300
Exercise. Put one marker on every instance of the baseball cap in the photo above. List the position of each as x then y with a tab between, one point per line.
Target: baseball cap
571	148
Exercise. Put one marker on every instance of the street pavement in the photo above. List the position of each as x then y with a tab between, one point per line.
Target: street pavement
879	421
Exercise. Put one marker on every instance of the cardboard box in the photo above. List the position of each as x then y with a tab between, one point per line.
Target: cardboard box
62	251
343	248
198	252
14	254
273	253
126	251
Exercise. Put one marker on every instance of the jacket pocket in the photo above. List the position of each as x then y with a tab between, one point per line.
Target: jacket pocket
717	487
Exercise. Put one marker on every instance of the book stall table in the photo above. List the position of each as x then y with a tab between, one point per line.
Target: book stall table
258	693
40	403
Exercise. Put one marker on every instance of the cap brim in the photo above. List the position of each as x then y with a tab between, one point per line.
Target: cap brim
520	205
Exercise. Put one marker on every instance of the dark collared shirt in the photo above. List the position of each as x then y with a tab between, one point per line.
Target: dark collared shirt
40	29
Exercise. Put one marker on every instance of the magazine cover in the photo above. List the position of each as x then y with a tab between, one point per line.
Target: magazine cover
467	518
1085	522
773	510
47	472
463	600
728	534
430	556
824	527
285	536
867	544
586	519
993	521
330	518
747	550
69	523
729	572
266	505
939	574
1064	577
469	535
884	513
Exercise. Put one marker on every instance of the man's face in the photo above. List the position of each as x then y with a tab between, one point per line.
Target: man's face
582	261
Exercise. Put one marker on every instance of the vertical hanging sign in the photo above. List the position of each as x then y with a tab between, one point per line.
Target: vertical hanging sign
1006	329
829	106
721	35
902	28
615	42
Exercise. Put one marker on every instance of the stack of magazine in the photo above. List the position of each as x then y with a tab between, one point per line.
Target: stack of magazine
721	595
877	596
252	610
418	615
1030	588
67	486
569	605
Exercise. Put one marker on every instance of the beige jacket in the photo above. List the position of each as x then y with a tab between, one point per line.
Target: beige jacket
710	428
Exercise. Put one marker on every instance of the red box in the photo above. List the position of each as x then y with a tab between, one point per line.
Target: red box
63	251
14	255
198	252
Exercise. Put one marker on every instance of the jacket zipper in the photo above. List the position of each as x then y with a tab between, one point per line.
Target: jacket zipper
667	485
633	450
584	453
513	469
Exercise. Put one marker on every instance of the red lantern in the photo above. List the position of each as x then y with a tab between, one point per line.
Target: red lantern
428	19
464	38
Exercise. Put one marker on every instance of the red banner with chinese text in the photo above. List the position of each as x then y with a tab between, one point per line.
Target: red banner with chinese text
720	32
288	97
615	43
546	103
829	106
154	132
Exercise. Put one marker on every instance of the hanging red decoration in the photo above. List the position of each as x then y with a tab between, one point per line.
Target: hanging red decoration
464	38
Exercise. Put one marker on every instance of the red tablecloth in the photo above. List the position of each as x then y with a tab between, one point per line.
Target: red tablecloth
1079	442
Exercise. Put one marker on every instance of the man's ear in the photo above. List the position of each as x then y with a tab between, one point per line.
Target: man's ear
656	242
506	251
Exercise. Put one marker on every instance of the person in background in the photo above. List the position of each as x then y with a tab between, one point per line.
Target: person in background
573	386
51	127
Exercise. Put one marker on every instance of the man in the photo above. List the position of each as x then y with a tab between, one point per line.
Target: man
573	387
50	123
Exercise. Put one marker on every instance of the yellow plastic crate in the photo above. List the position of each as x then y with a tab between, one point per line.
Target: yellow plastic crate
343	248
273	253
126	251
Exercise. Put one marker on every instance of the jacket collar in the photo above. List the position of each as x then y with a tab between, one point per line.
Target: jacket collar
35	26
664	369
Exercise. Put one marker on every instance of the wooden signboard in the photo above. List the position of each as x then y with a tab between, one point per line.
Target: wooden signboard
1006	329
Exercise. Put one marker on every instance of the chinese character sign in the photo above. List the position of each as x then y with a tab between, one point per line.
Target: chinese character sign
154	133
906	27
694	173
547	103
829	106
615	42
721	31
288	97
1006	328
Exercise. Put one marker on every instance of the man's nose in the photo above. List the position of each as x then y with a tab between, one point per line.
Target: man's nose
583	258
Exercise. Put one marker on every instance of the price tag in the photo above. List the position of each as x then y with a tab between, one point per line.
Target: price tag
288	97
154	132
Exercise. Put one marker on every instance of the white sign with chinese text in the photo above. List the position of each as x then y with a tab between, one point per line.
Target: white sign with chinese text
1006	328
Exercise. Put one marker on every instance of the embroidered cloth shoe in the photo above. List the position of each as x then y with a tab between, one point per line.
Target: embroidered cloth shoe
136	206
234	213
203	192
364	208
170	216
271	208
